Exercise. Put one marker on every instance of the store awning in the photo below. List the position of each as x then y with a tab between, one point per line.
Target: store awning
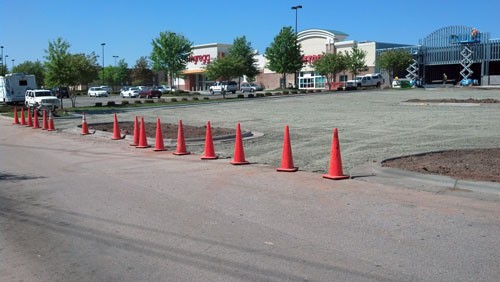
193	71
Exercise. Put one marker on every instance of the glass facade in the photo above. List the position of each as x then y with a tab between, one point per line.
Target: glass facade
311	80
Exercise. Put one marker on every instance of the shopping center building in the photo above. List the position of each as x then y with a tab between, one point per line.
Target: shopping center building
459	51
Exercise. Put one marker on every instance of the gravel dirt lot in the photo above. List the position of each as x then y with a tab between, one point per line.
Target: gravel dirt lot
373	125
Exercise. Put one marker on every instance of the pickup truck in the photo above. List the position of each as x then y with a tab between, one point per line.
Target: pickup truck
41	99
369	80
223	86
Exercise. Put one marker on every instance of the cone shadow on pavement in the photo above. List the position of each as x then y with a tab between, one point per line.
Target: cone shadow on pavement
287	158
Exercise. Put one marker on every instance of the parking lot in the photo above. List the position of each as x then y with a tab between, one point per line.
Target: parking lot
373	125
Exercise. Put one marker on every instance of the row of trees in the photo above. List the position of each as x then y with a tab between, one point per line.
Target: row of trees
171	52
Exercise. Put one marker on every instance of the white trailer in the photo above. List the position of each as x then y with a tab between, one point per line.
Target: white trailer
13	87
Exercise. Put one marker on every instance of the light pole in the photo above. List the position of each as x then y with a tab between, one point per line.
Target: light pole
5	64
1	58
102	44
13	63
116	57
296	8
114	76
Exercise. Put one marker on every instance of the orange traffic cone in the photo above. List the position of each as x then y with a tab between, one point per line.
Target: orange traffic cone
135	142
23	118
30	120
16	118
143	141
239	153
45	123
85	128
335	171
116	130
181	143
51	122
287	159
209	153
159	145
36	124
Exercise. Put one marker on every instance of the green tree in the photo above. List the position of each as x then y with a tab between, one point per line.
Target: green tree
141	73
394	61
35	68
242	50
60	71
86	67
171	52
329	65
356	61
224	68
284	54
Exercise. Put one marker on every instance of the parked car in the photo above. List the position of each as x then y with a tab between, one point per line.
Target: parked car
41	99
107	89
150	93
132	92
227	86
250	87
165	88
97	92
61	92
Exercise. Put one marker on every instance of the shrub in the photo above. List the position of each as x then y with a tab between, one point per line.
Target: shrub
206	98
196	98
303	91
240	96
269	94
286	92
98	104
111	104
173	100
294	92
184	99
260	95
195	93
137	102
310	91
161	100
317	90
149	101
251	96
125	102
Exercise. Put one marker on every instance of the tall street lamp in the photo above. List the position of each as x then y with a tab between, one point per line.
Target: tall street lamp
1	59
296	8
13	63
5	63
115	59
102	44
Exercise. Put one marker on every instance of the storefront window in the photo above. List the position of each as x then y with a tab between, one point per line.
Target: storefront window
311	80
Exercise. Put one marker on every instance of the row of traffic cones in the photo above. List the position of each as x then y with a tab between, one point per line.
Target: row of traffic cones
140	141
48	123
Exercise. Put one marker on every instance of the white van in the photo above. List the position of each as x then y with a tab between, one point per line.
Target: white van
13	87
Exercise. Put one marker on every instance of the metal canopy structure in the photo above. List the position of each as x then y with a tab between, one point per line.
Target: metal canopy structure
460	49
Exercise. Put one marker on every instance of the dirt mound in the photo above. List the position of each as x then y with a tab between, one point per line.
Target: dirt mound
474	164
169	130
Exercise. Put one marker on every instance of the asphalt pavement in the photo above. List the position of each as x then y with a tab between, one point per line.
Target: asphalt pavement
88	208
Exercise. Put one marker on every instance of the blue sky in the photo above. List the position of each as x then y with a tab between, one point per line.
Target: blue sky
128	27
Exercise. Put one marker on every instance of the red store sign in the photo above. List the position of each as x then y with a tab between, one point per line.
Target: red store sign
309	59
204	59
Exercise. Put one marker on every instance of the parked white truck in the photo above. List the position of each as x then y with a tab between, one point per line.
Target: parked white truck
41	99
368	80
13	86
